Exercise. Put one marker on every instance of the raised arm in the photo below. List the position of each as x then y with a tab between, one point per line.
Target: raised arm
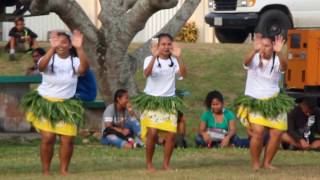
54	43
147	72
256	47
176	51
277	47
77	40
155	53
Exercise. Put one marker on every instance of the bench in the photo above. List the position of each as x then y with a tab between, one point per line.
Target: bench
12	119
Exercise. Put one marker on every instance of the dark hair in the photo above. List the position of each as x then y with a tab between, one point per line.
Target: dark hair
19	19
160	36
271	38
310	102
118	94
72	52
41	51
213	95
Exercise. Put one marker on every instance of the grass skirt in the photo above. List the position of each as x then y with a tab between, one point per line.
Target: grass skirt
53	115
158	112
271	112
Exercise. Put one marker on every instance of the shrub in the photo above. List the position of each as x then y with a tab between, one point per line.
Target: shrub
188	33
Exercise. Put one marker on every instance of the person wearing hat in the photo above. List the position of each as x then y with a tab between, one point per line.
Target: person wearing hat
303	124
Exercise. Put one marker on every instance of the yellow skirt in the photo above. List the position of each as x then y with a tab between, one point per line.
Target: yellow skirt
163	121
42	124
247	117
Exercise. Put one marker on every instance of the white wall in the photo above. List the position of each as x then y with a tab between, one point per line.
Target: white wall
155	23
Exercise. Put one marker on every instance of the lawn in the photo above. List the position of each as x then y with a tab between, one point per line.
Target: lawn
97	162
210	66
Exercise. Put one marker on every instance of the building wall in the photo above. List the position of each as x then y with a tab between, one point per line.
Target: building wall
205	32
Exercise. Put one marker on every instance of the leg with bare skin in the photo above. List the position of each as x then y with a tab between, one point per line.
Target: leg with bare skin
256	144
150	146
46	150
272	148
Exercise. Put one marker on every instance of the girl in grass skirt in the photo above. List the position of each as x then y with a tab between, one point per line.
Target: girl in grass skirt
263	107
158	103
50	108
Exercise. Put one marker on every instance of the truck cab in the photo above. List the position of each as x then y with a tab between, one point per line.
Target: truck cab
234	20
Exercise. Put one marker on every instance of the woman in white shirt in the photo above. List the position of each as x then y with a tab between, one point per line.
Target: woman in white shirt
158	103
50	108
263	107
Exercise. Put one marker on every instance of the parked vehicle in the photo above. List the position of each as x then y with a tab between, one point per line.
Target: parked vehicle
234	20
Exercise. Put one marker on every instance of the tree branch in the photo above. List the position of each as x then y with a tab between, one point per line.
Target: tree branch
39	6
111	9
172	27
129	3
163	4
70	12
142	10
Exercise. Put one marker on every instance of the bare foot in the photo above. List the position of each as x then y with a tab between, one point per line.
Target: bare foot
269	166
256	167
167	168
150	168
46	173
64	173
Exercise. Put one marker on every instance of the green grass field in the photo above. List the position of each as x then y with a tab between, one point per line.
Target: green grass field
210	66
97	162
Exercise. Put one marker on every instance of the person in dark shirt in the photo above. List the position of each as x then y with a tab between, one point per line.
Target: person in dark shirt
303	124
19	36
86	87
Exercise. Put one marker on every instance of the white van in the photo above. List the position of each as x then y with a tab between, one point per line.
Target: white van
233	20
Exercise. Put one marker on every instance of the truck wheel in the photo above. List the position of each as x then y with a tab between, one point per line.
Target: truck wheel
231	35
274	22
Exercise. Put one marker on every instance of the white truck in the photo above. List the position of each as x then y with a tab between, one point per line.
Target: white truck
234	20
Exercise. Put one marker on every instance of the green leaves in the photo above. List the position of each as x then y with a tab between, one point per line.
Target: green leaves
68	111
271	107
167	104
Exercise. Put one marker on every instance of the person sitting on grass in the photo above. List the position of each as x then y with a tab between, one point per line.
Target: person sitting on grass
19	35
303	124
122	128
217	126
36	55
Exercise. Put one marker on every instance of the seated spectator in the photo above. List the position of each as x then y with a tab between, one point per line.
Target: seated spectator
180	139
19	37
303	124
86	87
217	126
36	55
122	128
